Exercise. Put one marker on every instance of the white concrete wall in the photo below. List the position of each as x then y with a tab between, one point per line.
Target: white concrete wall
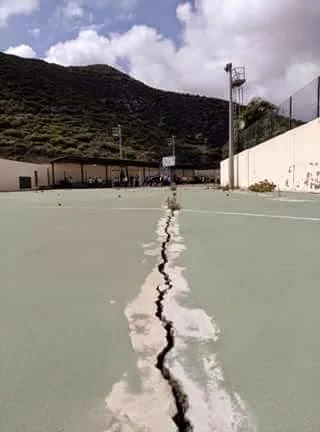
290	160
10	171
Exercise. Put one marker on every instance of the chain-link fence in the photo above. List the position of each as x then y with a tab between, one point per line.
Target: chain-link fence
300	108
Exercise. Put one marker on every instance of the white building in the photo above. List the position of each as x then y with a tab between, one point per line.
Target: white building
16	176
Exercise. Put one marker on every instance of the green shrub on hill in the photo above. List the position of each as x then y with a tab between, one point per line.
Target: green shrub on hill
67	107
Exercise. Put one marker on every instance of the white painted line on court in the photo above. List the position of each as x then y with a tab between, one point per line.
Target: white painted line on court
294	200
67	207
257	215
213	212
139	208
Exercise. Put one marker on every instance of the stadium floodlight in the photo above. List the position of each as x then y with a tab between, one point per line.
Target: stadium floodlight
228	70
228	67
236	80
117	133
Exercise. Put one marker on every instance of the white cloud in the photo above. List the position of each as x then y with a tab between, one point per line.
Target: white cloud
9	8
21	51
72	9
88	48
277	42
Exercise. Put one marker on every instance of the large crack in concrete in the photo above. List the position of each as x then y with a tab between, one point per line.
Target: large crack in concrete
181	399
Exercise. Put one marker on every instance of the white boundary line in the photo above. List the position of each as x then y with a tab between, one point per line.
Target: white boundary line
157	209
67	207
256	215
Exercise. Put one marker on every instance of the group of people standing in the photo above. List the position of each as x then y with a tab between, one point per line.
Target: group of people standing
131	181
95	181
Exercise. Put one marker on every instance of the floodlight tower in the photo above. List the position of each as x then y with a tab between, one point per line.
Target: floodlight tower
237	79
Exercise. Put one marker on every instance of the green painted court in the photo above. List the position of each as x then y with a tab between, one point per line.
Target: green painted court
72	261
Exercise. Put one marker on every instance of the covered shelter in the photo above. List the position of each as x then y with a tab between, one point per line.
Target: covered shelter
79	171
184	171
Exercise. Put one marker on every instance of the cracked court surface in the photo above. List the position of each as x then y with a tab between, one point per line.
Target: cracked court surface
79	332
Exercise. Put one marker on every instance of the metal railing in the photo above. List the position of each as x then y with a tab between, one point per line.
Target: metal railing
300	108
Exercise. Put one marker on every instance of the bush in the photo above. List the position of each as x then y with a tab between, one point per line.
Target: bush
263	186
15	133
84	137
20	149
73	151
172	201
57	140
40	138
173	204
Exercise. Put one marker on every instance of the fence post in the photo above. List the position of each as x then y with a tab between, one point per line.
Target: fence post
318	98
290	112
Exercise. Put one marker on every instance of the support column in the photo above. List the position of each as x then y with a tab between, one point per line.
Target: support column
53	174
82	173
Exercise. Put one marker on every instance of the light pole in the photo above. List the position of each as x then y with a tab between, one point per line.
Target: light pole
117	133
228	69
172	143
237	79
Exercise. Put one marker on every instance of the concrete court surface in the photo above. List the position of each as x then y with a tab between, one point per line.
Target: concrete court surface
69	272
66	276
257	273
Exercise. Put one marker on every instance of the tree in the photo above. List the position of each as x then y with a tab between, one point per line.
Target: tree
255	110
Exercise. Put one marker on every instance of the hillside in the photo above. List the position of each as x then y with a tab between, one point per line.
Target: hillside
48	111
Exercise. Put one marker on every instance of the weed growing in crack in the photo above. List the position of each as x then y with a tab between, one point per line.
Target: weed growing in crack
172	200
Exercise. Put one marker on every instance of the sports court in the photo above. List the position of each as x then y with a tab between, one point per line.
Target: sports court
78	325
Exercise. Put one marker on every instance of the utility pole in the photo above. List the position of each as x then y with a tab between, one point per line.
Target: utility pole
204	158
173	146
172	143
117	133
120	141
228	69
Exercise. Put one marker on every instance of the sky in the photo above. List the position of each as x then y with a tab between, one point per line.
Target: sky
174	44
